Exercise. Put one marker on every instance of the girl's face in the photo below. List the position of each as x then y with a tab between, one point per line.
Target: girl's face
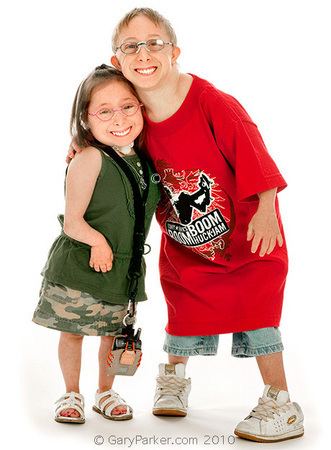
120	129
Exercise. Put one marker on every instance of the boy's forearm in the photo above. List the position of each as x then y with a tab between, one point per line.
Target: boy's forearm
81	231
267	199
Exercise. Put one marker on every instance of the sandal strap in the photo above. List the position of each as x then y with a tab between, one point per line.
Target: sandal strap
71	400
111	402
66	406
110	407
72	396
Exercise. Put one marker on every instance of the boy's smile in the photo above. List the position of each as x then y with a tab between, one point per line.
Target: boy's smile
146	71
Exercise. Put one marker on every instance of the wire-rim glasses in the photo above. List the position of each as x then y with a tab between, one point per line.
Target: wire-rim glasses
128	109
152	45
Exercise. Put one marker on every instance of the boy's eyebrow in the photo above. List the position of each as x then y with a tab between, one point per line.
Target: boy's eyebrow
130	38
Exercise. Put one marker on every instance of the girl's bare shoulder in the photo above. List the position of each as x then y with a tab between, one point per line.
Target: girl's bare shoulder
89	159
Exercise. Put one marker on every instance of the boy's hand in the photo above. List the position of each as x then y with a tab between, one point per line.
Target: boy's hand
264	228
73	149
101	257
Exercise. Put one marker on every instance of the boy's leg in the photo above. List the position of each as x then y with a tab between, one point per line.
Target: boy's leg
275	418
172	388
70	352
174	359
106	381
272	370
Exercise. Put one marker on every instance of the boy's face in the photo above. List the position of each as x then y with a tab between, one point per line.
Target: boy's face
146	70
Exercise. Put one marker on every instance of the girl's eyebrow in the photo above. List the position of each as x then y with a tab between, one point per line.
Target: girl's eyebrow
122	100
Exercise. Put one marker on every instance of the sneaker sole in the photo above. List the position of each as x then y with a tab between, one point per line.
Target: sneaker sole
169	412
252	437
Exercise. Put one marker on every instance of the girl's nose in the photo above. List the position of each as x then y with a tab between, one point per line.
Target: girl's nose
118	118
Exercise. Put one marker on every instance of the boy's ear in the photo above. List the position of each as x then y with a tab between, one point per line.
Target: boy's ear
175	54
115	62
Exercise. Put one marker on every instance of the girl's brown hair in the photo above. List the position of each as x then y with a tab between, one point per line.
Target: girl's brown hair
79	129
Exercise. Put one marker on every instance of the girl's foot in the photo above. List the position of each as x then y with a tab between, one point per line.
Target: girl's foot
111	406
70	408
70	412
118	410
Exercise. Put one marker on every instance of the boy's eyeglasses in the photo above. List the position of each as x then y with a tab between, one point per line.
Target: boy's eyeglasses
104	114
152	45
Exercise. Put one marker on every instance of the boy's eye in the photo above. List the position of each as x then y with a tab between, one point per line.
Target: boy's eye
155	44
130	46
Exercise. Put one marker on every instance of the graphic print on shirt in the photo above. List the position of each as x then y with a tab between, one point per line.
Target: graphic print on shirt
196	212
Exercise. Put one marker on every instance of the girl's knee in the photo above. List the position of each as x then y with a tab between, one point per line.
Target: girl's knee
71	336
106	340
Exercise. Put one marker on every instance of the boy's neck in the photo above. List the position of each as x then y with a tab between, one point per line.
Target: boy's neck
163	101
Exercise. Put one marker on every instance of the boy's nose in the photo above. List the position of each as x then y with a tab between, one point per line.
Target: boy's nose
143	54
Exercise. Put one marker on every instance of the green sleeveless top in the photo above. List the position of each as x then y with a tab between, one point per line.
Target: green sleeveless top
111	212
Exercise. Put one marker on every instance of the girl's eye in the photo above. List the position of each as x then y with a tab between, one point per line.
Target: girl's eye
104	112
128	107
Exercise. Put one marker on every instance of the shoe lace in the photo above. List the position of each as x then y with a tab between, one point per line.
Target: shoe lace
267	409
171	385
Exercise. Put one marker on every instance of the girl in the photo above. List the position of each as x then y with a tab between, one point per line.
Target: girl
85	284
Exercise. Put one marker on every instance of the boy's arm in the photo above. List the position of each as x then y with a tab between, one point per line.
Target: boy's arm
80	182
241	144
73	149
264	227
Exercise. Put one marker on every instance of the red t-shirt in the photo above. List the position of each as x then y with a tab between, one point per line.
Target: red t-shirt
212	162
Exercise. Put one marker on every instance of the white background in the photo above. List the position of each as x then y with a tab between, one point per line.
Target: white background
273	57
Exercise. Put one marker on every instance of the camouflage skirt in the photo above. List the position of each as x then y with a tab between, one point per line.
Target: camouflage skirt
72	311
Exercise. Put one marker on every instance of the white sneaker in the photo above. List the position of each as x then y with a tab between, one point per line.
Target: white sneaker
172	390
274	419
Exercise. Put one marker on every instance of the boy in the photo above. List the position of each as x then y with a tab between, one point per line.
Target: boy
220	187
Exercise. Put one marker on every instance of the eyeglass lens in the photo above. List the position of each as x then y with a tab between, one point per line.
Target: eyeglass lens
152	45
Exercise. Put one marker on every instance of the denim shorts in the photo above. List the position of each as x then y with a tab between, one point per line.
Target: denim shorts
244	344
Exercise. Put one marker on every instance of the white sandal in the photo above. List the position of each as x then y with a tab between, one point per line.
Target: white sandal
71	400
106	407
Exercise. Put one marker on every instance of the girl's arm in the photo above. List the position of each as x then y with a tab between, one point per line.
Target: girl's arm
80	182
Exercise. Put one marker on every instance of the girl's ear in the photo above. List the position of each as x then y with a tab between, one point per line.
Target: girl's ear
115	62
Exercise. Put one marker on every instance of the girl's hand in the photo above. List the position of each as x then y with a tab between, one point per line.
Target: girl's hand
101	257
73	149
264	228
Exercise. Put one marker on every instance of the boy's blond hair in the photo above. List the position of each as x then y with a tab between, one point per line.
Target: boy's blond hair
152	15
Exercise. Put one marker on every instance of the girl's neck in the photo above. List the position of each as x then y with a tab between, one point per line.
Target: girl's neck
126	150
162	102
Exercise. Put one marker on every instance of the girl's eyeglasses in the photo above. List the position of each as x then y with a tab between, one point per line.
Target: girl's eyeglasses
104	114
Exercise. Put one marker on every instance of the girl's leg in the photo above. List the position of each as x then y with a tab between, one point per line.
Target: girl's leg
70	352
272	370
105	380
